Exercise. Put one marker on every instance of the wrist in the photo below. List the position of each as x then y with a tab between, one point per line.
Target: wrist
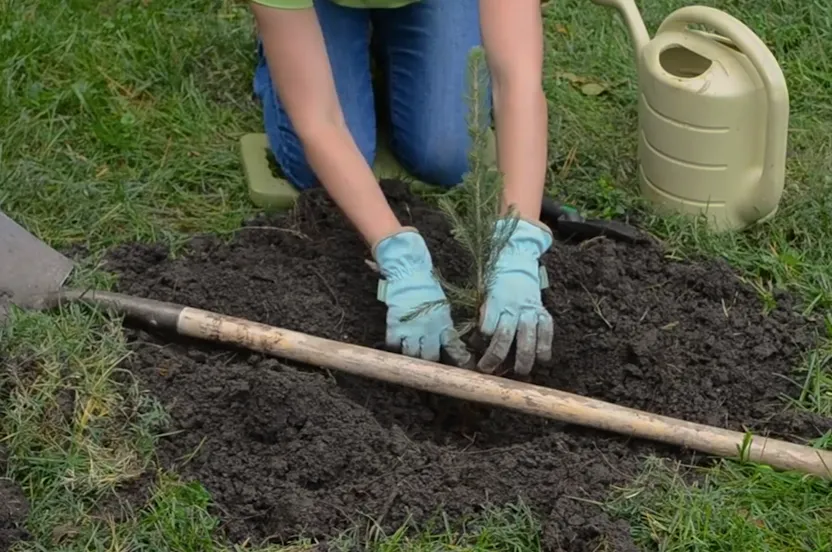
520	257
402	253
342	170
529	237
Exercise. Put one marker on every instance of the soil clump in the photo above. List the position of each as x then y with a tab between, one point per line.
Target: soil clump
14	510
288	450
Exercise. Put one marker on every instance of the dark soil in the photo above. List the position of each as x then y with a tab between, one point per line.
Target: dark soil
14	509
288	450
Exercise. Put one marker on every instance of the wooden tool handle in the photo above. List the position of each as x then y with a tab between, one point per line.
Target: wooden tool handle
496	391
464	384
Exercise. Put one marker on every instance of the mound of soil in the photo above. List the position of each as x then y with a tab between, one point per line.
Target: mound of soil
14	509
288	450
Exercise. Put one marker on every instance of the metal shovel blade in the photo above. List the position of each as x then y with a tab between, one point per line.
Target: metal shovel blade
28	267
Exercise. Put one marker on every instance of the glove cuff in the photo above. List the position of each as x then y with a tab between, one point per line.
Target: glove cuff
402	253
528	237
529	241
378	244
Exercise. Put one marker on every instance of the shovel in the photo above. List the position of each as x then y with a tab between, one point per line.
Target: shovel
38	272
28	267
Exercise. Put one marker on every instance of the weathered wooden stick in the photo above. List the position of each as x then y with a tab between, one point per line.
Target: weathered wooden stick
453	382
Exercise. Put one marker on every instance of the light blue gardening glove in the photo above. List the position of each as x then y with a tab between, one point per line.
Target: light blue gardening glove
513	308
409	285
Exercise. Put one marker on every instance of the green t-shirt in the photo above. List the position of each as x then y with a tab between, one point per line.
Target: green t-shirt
368	4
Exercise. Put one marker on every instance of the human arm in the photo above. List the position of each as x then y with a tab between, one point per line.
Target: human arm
512	34
294	47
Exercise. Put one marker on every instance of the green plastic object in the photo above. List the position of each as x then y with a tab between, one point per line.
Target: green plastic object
713	116
271	192
266	190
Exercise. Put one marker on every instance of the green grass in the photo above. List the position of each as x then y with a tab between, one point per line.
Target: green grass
119	121
732	507
729	507
594	150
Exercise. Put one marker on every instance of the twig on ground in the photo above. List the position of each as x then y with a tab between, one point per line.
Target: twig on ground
340	325
597	307
296	233
191	455
388	504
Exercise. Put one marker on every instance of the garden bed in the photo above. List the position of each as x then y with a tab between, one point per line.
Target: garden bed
287	449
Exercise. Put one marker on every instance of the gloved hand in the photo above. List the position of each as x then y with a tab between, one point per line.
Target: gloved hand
513	306
409	285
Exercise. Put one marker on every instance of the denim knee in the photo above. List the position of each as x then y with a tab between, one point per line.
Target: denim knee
347	45
438	160
426	46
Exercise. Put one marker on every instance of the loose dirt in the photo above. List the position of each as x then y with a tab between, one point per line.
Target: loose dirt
287	449
14	509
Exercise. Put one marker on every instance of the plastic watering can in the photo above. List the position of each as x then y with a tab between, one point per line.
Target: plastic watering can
713	116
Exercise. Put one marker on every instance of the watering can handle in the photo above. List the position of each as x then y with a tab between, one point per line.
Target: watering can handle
770	73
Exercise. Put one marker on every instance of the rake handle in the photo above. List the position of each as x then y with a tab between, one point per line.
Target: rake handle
453	382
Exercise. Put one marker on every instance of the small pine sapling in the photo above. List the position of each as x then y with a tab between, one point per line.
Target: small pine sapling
474	208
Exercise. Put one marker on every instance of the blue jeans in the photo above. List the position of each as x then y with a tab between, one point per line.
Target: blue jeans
424	53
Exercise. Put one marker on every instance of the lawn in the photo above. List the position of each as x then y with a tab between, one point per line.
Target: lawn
119	124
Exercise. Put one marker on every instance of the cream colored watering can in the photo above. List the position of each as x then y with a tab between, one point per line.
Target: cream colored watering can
713	117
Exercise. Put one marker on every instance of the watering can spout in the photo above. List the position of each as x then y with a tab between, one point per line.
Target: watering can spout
628	11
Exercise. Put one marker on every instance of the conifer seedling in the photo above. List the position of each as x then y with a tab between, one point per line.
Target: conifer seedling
474	209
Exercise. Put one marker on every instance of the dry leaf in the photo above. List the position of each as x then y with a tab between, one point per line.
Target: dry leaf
62	532
583	83
593	89
572	77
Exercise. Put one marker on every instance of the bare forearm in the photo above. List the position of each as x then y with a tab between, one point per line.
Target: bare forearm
342	170
513	39
522	127
299	66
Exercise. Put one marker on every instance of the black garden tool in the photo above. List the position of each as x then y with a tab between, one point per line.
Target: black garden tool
570	224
